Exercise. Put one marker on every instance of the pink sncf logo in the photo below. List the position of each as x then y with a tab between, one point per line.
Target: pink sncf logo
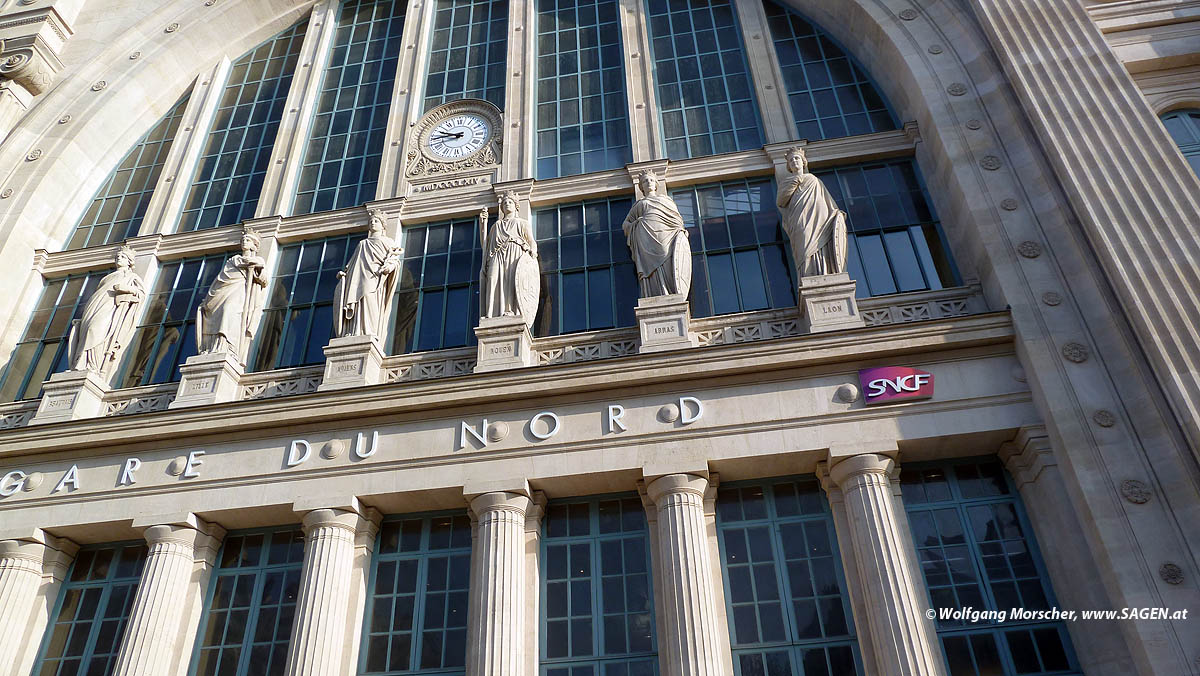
886	384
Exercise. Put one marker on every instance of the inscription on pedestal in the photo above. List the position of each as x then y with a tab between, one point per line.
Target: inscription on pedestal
202	385
350	367
62	402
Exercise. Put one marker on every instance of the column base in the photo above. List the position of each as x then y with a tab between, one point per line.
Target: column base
71	395
664	323
353	361
504	343
208	379
827	304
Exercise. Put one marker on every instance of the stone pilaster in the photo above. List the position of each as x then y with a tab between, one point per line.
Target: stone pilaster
496	637
903	639
690	635
24	565
319	637
645	127
160	608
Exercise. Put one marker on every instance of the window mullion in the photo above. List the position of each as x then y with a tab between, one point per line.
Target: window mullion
407	98
768	84
175	181
291	140
641	100
518	159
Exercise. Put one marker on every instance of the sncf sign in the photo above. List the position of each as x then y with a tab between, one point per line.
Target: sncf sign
886	384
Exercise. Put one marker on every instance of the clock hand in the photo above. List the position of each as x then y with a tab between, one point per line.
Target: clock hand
447	135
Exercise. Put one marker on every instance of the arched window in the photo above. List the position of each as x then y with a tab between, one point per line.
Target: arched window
341	168
1184	127
829	93
230	174
116	212
705	94
467	58
582	117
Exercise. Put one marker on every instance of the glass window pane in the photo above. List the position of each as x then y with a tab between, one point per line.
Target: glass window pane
447	305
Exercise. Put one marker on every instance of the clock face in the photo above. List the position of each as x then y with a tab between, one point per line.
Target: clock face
458	136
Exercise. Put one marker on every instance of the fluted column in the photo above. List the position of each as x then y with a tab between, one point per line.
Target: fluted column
161	605
496	639
902	639
691	635
319	636
20	578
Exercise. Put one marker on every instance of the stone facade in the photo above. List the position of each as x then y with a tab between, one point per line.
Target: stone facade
1069	350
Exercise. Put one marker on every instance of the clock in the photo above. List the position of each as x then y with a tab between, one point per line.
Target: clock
459	136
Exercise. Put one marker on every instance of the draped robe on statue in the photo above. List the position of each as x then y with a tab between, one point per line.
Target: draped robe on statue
510	274
814	224
226	312
658	243
106	321
365	292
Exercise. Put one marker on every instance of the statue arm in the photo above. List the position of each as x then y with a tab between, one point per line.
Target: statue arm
527	232
786	191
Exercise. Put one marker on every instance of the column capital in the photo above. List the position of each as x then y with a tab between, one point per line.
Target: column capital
50	555
864	464
196	537
500	501
672	484
347	520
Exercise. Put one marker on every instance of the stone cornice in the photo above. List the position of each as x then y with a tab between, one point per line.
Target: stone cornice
669	370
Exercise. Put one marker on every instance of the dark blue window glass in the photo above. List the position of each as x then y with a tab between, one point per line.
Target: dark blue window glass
976	550
42	350
467	57
341	165
297	321
705	94
416	619
166	336
251	604
93	607
582	118
597	602
229	176
789	614
895	244
739	256
588	278
438	300
1184	127
830	93
116	212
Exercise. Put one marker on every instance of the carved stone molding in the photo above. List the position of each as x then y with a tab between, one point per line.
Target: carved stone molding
1135	491
420	163
29	63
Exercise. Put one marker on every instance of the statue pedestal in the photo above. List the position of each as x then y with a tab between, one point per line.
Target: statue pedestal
208	379
664	323
353	361
827	304
71	395
504	343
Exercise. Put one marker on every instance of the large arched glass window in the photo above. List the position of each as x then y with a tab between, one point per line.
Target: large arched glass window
341	167
438	299
1184	127
582	117
467	58
116	212
705	94
830	95
230	174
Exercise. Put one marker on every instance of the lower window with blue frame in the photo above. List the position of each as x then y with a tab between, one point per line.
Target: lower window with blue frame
416	620
251	603
977	551
597	602
92	611
789	614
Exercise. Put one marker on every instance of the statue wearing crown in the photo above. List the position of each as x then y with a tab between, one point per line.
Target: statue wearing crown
228	316
108	317
365	287
511	277
658	242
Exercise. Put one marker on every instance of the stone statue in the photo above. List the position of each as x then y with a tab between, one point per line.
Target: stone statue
226	320
658	242
511	276
364	290
812	220
108	318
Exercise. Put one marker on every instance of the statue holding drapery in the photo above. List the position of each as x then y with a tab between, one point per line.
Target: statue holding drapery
812	220
108	318
228	316
363	296
658	242
511	277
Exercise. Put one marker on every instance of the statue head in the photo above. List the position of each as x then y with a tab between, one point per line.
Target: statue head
797	160
124	256
648	181
376	221
250	241
510	203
